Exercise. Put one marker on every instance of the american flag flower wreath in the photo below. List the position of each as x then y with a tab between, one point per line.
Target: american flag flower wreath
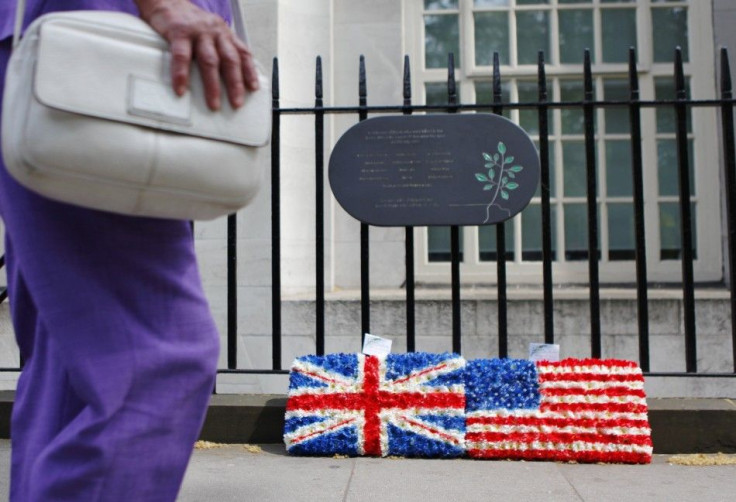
403	404
437	405
587	410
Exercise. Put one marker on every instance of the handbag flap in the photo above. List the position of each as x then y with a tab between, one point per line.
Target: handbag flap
114	66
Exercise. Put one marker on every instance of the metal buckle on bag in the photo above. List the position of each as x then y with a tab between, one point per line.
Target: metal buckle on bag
156	100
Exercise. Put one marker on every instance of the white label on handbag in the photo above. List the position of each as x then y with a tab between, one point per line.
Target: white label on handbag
152	99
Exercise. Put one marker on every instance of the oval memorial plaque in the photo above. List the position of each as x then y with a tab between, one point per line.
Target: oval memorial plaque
471	169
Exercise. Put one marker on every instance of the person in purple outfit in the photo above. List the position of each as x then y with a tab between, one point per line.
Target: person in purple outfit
119	345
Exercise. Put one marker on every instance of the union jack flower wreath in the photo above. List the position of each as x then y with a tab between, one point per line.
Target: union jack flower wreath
409	405
437	405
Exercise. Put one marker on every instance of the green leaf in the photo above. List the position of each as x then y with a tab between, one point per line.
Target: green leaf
488	187
516	169
490	164
491	174
487	157
511	175
496	157
509	159
481	177
501	148
505	180
512	186
505	195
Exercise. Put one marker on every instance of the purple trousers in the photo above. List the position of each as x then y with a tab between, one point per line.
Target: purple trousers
119	345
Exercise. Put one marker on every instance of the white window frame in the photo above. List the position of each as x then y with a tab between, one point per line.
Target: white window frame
700	71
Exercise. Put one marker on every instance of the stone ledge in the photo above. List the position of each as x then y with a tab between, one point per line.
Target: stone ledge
678	425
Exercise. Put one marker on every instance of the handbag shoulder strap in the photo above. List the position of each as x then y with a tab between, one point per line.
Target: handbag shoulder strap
237	12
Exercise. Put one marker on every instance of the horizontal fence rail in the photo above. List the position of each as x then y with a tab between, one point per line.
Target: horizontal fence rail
588	105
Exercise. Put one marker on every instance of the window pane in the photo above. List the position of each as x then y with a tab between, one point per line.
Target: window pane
528	117
487	242
670	26
437	93
664	89
575	1
619	33
618	169
438	243
491	35
532	35
573	119
573	160
617	117
441	38
576	34
667	167
669	231
440	4
484	95
621	232
531	232
576	232
552	171
532	2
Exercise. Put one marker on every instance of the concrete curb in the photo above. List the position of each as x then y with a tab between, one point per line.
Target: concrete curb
678	425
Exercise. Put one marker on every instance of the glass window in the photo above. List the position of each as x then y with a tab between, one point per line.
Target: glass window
491	35
621	232
487	242
617	117
576	34
670	26
670	233
531	233
618	168
563	29
573	160
532	35
440	245
619	34
441	37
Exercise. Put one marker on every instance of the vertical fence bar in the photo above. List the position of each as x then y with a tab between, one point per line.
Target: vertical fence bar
729	165
365	292
319	166
409	238
454	229
637	173
591	178
275	219
549	335
232	292
4	289
683	169
502	304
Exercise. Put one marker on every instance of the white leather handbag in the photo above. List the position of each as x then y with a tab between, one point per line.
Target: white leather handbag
90	118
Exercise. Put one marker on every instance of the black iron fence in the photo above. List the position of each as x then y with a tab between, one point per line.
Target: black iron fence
681	105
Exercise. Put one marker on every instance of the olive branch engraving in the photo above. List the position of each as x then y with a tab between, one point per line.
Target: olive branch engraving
499	177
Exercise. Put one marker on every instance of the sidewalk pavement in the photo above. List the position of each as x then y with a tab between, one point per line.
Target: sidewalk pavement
233	473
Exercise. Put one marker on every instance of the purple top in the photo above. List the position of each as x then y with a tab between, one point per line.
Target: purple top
35	8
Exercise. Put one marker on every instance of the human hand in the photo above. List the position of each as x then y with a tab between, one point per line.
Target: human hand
194	34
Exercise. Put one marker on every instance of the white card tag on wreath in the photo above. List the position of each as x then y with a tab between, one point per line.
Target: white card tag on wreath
376	346
544	352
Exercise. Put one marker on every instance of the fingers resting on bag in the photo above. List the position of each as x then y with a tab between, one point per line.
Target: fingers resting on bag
194	34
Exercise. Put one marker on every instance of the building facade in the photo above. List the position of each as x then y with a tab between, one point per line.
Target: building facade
384	32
